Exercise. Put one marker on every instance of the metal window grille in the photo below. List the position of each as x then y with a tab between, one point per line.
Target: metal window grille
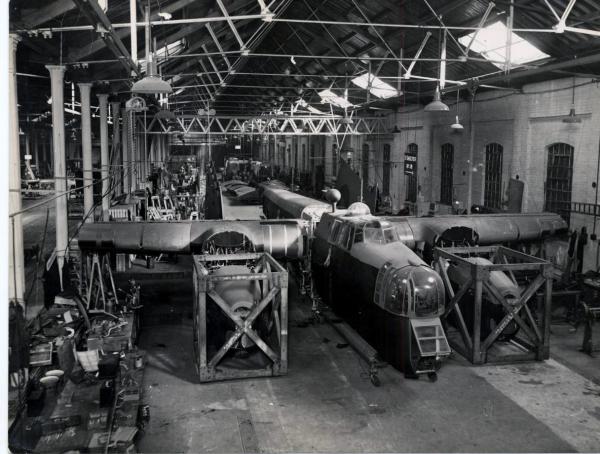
386	168
334	160
493	176
559	179
304	158
365	164
447	173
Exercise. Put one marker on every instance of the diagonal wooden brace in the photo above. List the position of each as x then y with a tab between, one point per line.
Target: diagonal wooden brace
243	326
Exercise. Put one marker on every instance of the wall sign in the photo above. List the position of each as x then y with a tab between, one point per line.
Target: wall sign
410	163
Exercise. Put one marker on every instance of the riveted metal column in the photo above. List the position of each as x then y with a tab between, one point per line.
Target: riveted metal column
16	278
57	74
86	152
117	158
36	151
126	159
104	162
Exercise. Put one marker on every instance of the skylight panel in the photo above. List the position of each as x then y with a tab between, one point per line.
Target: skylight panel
378	87
490	42
158	57
170	49
327	96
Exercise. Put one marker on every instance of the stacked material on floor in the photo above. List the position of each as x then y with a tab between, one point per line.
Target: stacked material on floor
83	391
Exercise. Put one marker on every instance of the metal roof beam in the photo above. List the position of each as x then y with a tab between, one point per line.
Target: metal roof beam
93	12
47	13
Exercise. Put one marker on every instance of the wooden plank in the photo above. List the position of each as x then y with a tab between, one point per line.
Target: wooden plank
478	290
512	312
444	275
464	332
225	308
532	322
458	296
262	344
202	328
239	277
521	255
225	348
260	307
229	257
284	329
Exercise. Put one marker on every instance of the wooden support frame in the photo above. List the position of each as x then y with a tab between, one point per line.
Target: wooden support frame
99	275
273	282
534	343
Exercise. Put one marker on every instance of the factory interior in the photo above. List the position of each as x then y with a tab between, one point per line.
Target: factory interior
317	226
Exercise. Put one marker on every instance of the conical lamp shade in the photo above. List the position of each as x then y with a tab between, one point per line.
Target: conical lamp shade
456	126
436	105
572	117
150	85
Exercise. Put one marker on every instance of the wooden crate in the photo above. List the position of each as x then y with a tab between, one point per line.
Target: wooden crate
535	342
273	281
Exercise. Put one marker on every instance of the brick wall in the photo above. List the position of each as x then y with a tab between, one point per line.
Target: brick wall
525	125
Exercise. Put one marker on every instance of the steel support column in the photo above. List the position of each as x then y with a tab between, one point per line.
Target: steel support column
126	158
57	74
104	162
86	151
471	155
133	29
16	278
117	157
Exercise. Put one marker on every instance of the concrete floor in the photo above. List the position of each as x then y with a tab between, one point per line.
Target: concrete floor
327	404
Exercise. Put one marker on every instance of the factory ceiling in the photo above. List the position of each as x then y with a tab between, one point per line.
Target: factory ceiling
249	57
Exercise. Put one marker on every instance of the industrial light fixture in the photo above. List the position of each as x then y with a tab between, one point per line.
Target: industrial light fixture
165	16
456	126
346	120
572	116
206	113
436	105
150	84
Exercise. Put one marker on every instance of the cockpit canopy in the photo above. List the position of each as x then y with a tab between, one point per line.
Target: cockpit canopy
412	291
373	231
379	232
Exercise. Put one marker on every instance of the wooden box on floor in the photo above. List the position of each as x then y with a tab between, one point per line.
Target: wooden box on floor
533	342
216	360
